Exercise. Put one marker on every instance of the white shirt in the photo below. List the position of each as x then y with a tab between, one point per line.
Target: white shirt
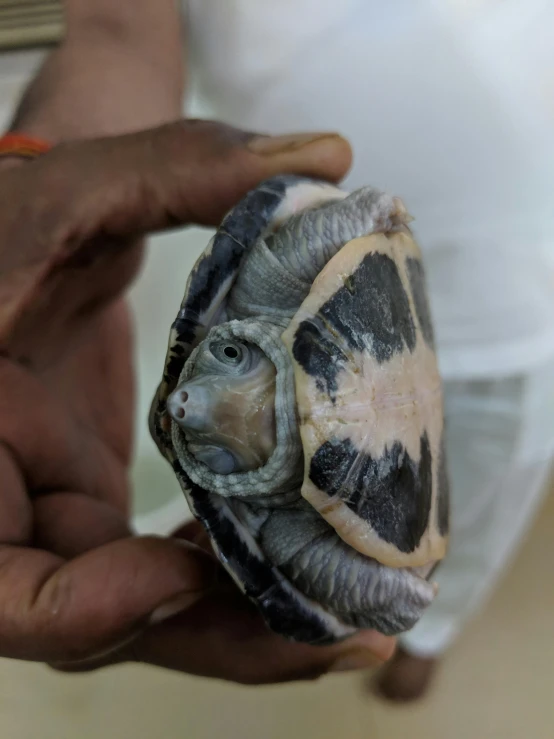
449	104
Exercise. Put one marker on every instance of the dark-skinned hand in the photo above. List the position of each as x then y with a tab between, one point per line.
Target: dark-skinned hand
77	589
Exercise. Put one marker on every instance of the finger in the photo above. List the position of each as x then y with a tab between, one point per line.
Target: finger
70	524
54	451
75	209
94	377
52	610
185	172
190	530
222	636
194	532
16	514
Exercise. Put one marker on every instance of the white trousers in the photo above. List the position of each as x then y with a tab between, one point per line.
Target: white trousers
500	442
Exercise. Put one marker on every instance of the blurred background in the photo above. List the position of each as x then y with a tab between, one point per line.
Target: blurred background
497	681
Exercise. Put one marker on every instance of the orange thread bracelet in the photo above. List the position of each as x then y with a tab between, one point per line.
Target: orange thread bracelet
20	145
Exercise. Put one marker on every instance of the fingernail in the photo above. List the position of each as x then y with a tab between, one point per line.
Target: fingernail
355	659
176	605
272	145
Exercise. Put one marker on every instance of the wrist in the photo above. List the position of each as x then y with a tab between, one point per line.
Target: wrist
17	148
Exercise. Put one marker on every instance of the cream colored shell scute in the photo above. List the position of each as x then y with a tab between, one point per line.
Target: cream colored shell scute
376	404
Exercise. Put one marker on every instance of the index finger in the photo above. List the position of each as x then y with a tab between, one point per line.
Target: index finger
222	636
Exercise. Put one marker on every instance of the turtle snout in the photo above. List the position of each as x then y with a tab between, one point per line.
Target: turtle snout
188	406
176	404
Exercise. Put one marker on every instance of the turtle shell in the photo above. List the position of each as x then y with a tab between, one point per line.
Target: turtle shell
374	469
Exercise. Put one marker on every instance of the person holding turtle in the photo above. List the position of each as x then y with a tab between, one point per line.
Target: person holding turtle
78	590
470	155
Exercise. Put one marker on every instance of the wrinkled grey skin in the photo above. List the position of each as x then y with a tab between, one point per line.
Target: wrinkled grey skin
263	484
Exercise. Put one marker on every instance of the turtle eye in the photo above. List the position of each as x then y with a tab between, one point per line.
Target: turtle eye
231	352
228	352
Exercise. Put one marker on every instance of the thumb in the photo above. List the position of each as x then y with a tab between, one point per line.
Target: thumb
56	611
185	172
122	186
76	210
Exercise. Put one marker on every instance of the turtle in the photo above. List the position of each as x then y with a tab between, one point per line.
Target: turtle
301	408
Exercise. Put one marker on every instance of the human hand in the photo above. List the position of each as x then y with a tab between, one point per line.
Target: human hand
77	589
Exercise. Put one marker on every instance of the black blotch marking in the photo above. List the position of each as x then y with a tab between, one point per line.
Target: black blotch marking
392	493
174	367
371	312
443	492
319	355
209	274
286	616
416	275
185	329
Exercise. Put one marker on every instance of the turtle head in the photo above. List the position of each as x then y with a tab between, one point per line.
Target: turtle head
226	408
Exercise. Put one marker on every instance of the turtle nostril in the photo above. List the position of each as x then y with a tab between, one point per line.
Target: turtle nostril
184	398
180	413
